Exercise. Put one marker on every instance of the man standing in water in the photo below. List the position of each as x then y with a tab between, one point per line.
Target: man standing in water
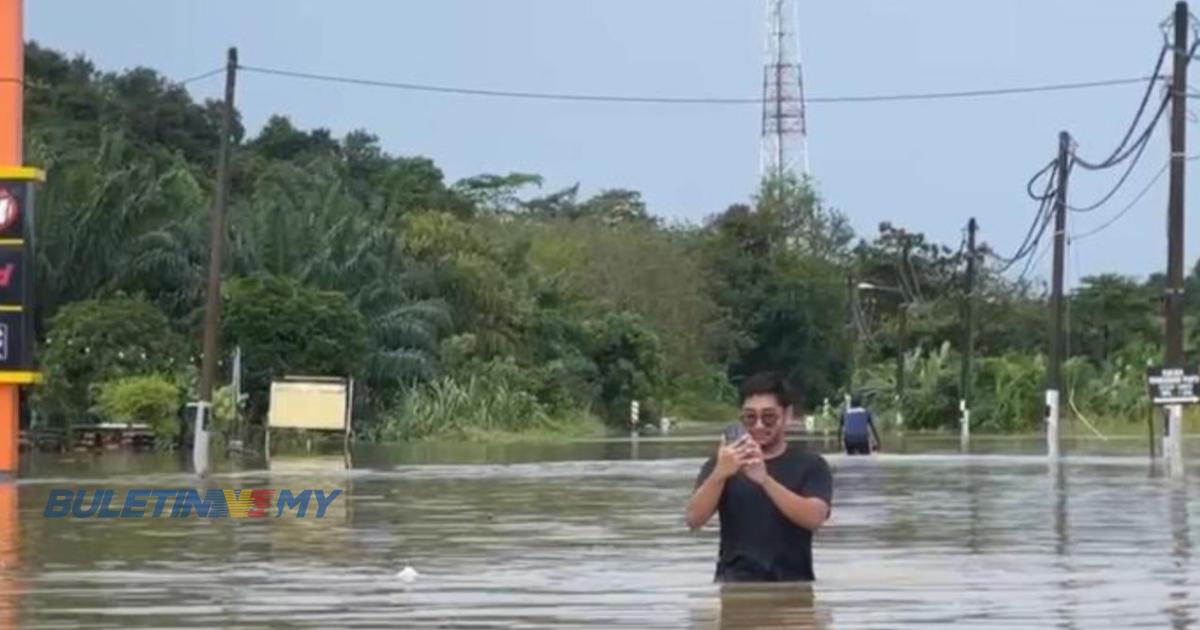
853	429
771	496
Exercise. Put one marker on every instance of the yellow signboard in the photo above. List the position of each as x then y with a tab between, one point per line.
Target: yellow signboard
319	404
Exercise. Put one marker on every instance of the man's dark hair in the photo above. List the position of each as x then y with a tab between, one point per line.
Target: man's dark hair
856	400
776	384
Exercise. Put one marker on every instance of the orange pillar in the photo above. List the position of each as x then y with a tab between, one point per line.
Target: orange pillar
12	78
12	81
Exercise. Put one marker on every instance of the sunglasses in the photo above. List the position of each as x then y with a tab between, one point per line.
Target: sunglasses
767	418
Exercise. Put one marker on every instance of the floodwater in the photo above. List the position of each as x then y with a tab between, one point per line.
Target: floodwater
592	536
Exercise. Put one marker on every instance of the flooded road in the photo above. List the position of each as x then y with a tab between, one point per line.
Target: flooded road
587	536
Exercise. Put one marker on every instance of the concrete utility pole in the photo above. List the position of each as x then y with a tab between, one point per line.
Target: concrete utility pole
968	348
212	303
1173	437
1054	375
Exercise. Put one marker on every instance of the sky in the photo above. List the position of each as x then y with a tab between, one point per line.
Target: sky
927	166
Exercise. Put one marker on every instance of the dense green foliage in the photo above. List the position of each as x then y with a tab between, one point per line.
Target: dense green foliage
487	305
287	329
150	400
94	342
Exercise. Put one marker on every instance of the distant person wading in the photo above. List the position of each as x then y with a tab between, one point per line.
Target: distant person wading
856	428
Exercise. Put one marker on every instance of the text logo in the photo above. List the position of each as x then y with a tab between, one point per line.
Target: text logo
6	273
188	503
9	211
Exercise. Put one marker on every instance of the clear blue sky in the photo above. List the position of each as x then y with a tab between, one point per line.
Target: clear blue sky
927	166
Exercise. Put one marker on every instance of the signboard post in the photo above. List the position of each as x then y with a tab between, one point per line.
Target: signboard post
17	367
311	403
1171	388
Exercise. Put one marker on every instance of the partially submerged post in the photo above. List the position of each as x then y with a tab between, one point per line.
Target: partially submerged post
202	408
1057	341
968	349
1174	357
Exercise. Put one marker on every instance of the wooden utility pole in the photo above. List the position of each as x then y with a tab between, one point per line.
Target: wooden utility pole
851	336
1172	441
902	330
212	302
968	347
1054	375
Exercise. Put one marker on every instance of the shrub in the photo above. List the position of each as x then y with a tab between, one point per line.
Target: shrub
153	400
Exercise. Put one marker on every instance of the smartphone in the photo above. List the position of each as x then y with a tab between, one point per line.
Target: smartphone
734	432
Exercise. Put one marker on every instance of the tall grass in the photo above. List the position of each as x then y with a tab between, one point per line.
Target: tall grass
1008	392
471	407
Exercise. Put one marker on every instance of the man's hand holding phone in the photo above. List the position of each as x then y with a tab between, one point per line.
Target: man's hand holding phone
737	450
729	457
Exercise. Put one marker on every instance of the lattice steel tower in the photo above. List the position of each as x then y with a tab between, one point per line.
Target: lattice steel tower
784	128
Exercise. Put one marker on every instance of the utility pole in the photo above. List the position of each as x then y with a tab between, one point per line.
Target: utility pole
1054	377
902	332
852	336
212	303
968	348
1173	439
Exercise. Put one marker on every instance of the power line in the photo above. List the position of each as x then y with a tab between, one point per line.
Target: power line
1115	157
1133	202
1033	180
671	100
1141	148
1042	217
1034	261
1117	217
205	75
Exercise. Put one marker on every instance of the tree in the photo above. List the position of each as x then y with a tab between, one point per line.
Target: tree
800	218
304	223
280	140
285	328
617	207
628	359
785	306
1110	312
496	194
99	341
658	274
152	400
115	218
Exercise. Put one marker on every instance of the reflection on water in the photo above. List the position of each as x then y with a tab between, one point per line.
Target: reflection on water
586	535
1180	609
766	606
10	555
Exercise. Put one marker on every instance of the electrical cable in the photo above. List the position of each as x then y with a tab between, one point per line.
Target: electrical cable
1033	261
200	77
1120	182
1110	160
563	96
1029	244
1133	202
1033	180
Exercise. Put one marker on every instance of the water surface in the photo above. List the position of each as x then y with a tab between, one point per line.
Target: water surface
592	535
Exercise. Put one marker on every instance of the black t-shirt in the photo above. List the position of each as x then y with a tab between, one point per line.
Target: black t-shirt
759	543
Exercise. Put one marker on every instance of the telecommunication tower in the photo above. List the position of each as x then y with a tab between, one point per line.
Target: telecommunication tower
784	128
